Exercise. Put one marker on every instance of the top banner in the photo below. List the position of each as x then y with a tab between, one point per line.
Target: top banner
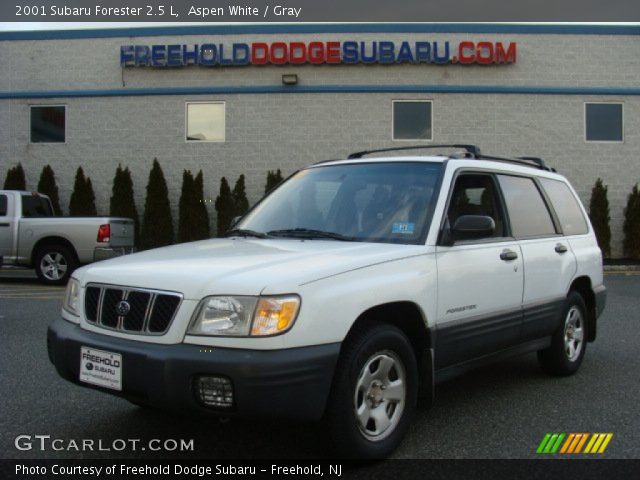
261	11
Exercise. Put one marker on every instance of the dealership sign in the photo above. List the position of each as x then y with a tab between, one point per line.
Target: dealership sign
298	53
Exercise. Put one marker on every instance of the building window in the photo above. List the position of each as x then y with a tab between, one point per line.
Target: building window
412	120
48	124
603	122
205	122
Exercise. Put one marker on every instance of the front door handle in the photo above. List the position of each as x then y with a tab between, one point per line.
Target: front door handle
5	224
508	255
560	248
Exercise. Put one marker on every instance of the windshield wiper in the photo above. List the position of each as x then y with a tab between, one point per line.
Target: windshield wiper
310	234
241	232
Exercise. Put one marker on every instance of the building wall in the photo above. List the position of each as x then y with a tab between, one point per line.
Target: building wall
289	131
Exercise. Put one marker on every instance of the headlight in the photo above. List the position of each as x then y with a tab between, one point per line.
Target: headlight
224	316
71	297
244	316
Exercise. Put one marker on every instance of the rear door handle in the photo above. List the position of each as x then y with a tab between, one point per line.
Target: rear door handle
508	255
560	248
5	225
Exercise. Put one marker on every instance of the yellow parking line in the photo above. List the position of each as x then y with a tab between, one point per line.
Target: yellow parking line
31	298
25	296
31	290
629	273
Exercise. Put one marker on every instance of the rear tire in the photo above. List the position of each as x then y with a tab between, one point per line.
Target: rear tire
374	393
569	342
54	264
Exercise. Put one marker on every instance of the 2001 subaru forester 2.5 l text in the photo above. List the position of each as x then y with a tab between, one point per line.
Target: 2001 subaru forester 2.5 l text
346	294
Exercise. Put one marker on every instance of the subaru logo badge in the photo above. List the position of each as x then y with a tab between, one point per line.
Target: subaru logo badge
123	308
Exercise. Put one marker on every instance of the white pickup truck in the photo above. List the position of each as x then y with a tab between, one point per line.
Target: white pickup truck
31	236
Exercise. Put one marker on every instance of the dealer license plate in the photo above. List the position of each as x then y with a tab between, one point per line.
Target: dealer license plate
101	368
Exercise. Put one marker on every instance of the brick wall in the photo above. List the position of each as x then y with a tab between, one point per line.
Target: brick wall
289	131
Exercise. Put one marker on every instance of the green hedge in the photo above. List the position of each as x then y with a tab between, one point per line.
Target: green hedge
157	224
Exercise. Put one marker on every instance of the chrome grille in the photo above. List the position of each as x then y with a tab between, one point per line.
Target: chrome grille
149	312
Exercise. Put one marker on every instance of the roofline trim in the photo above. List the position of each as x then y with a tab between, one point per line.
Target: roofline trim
498	28
284	89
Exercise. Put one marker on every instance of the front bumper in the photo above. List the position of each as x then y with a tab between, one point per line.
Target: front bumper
105	253
291	383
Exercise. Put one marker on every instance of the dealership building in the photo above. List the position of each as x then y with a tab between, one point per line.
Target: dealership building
245	99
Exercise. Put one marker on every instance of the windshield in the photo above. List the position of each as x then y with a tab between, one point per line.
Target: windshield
370	202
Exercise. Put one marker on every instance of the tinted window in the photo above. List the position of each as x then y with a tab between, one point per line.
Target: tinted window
528	213
48	124
476	195
3	205
566	206
35	207
372	202
603	122
412	120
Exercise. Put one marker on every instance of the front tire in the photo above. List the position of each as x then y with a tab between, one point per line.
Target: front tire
374	393
54	264
569	342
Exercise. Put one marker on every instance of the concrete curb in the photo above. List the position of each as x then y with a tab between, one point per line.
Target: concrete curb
621	268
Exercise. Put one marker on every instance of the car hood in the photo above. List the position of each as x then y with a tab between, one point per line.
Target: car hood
241	266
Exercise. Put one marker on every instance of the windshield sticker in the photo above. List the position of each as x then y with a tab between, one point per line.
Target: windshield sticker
406	228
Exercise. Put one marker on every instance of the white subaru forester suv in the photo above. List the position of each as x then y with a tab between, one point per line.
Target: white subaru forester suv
346	294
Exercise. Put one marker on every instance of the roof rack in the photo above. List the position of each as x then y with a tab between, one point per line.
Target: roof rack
534	162
471	151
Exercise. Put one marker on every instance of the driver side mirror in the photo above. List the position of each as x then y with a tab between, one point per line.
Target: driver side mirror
473	227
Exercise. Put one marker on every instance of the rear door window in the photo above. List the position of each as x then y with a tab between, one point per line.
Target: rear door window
528	212
566	206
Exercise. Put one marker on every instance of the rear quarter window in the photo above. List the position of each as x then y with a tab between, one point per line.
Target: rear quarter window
566	206
3	205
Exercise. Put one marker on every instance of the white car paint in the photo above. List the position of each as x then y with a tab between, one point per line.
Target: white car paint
338	281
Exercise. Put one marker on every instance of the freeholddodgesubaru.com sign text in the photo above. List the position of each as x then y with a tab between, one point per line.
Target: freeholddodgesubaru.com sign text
317	52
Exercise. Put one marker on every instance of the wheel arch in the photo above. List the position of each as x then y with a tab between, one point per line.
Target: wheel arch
51	240
408	317
582	285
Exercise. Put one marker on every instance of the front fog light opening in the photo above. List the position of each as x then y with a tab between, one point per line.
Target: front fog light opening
215	391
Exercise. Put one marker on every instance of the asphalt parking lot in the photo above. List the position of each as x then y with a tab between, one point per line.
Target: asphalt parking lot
501	411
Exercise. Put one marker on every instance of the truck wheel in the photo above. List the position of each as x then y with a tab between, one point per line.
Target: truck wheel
569	343
55	264
374	393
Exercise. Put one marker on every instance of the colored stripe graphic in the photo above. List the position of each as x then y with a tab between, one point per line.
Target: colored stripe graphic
566	445
573	443
543	443
550	443
598	443
581	442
